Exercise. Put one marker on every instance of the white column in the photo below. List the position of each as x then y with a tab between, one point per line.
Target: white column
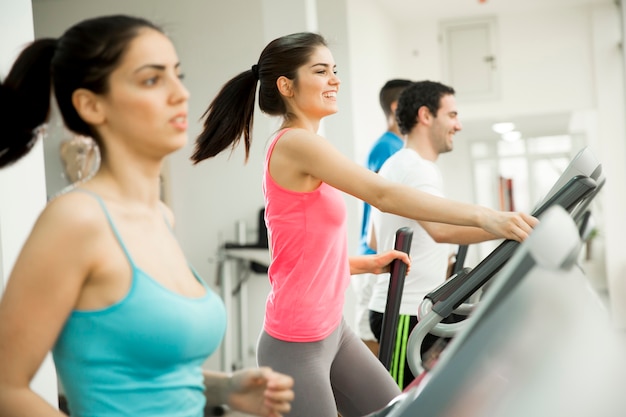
609	78
22	185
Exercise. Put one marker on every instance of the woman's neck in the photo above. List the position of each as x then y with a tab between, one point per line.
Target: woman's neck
299	122
128	183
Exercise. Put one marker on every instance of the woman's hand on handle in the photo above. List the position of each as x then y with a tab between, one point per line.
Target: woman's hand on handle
510	225
382	261
379	263
257	391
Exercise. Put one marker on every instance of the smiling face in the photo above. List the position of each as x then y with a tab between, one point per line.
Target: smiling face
314	91
145	108
445	125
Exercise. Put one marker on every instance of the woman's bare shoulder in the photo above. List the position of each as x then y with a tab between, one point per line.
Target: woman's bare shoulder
74	209
298	140
297	133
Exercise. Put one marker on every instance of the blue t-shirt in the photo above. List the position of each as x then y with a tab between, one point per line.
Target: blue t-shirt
141	356
385	146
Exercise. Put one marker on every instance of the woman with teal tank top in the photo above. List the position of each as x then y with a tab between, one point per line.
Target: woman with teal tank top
304	334
101	281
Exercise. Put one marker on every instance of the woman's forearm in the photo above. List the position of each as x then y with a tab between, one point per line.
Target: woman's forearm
414	204
23	402
359	264
216	387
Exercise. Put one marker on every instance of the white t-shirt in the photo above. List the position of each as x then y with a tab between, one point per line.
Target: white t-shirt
429	259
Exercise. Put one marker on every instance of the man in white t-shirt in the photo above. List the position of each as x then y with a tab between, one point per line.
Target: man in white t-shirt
428	118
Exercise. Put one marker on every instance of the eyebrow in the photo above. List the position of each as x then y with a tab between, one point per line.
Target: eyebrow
323	65
156	67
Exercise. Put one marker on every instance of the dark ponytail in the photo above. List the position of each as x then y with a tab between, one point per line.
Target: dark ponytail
230	114
25	100
83	57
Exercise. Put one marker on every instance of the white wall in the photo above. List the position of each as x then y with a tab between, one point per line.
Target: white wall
373	61
22	185
540	58
611	149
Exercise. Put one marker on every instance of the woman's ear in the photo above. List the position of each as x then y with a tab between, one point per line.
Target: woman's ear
88	106
285	86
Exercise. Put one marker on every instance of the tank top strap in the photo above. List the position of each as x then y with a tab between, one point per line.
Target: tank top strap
110	220
270	148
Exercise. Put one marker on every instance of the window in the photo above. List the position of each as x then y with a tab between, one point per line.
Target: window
530	165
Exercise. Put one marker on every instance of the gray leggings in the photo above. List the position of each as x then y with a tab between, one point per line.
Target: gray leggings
338	373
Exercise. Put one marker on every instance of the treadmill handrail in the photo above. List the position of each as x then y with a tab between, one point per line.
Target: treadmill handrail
456	292
436	294
398	271
461	254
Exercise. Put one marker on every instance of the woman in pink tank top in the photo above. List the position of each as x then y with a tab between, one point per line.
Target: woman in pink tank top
304	333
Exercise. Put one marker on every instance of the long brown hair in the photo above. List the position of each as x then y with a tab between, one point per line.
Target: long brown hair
230	115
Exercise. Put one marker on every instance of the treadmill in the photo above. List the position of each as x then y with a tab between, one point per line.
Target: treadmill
539	342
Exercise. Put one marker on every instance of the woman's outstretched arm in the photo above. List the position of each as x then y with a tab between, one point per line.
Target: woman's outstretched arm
308	154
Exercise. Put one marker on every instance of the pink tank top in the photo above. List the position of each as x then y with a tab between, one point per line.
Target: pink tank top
309	272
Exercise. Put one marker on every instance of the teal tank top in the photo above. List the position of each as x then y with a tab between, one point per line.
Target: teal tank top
143	355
